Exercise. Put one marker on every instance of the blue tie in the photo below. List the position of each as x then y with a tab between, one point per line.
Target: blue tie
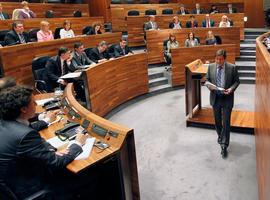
219	81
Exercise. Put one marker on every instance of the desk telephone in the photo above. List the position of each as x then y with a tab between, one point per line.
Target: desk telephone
69	131
52	105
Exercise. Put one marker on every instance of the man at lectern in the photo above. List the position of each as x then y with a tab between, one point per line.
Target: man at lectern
222	79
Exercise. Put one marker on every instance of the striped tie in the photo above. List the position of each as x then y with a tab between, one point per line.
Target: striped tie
219	82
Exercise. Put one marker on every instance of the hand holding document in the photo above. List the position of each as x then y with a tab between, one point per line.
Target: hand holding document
211	86
71	75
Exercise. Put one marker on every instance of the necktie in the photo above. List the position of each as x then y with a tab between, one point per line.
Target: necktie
219	81
63	68
22	40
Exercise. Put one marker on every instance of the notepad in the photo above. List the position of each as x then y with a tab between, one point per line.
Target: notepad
43	101
87	148
71	75
56	142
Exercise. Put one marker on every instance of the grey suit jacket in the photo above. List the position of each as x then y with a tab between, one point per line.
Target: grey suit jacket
77	62
148	26
231	81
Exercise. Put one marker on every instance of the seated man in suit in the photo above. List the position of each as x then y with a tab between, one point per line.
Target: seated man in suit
16	35
151	24
27	162
38	122
122	48
208	22
198	9
58	66
192	23
79	58
182	10
100	53
231	9
3	15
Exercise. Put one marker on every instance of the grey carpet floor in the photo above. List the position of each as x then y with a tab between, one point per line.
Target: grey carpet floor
180	163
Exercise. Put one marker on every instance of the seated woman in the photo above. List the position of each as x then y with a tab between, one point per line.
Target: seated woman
210	38
44	34
225	22
191	41
171	44
213	9
66	32
95	30
175	24
25	12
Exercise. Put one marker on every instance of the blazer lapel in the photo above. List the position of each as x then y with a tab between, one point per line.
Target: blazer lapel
215	74
226	75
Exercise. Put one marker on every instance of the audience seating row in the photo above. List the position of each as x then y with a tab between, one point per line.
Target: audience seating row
205	53
155	40
140	1
16	60
136	32
59	10
120	12
77	24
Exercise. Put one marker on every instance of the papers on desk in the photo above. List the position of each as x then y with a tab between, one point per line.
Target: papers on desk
211	86
71	75
56	142
87	148
43	101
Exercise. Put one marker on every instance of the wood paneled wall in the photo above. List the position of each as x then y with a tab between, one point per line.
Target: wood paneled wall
190	54
77	24
100	8
155	40
60	10
262	118
136	32
16	61
117	81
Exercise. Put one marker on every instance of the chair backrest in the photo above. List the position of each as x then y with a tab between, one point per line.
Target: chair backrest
198	39
165	44
6	193
77	13
87	52
86	29
108	27
167	11
144	1
116	2
15	14
218	39
129	1
111	50
33	34
163	1
150	12
49	14
3	34
57	33
133	13
40	73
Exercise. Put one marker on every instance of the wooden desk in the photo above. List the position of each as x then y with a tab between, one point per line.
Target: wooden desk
182	56
262	117
120	139
16	61
136	32
60	10
119	13
155	40
198	116
77	24
116	81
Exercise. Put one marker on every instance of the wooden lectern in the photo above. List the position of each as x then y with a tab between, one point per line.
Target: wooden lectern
198	116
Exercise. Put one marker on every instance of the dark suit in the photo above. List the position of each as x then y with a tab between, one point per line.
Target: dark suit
195	11
234	10
204	23
118	51
54	71
80	60
171	25
95	55
26	160
189	25
12	38
5	15
149	26
181	13
223	104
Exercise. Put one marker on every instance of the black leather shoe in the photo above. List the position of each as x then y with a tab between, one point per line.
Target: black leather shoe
224	152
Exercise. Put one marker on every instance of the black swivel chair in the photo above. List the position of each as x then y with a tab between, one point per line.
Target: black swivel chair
133	13
218	39
7	194
77	13
167	12
198	39
87	30
33	34
3	34
150	12
108	27
40	74
49	14
267	16
111	50
163	1
87	52
165	49
129	1
116	2
57	33
144	2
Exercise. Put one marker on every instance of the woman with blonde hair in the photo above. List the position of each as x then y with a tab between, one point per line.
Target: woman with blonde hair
66	32
175	24
25	12
45	34
225	22
210	38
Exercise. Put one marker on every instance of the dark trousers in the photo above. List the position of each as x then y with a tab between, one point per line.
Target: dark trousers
222	115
